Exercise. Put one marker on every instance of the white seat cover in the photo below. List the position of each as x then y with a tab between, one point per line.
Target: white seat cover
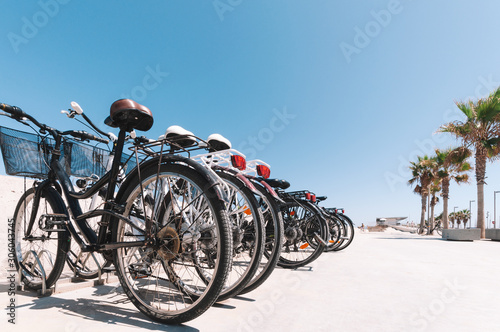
177	130
218	141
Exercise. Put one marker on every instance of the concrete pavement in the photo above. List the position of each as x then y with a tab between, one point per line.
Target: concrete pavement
389	281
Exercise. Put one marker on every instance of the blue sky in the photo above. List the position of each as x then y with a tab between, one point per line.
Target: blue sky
336	96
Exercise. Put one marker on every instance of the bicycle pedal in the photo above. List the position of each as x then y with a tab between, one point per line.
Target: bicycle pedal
108	269
49	222
55	217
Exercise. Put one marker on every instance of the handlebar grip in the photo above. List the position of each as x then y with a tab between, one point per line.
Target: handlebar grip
86	136
14	110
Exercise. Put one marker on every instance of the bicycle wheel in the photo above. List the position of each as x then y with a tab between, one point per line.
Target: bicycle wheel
86	265
180	275
40	254
349	234
306	233
273	225
337	232
246	221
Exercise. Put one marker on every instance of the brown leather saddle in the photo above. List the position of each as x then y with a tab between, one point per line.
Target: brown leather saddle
128	115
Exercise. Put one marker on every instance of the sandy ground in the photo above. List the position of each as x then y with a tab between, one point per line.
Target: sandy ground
390	281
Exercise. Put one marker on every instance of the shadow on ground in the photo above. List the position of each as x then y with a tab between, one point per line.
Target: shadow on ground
109	310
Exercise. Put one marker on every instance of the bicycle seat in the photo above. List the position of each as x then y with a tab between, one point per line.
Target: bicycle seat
180	136
321	198
277	183
129	115
218	142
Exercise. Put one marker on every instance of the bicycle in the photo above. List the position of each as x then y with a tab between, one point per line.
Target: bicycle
242	209
305	228
170	274
425	230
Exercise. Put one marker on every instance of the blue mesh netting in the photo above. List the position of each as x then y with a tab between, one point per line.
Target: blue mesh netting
27	154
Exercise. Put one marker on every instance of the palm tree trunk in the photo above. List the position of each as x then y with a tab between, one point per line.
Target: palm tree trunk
431	221
445	194
422	213
480	178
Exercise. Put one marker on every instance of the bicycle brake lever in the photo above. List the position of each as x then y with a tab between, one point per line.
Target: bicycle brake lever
76	107
69	113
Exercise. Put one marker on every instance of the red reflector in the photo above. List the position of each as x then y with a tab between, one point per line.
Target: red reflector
239	162
308	196
263	171
292	213
313	198
336	210
342	210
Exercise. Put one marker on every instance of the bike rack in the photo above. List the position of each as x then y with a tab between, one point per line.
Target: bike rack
78	259
39	263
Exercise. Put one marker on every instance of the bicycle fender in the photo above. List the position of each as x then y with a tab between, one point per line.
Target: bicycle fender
243	178
177	159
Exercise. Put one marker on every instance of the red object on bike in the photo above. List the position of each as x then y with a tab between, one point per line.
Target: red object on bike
313	198
308	196
239	162
263	171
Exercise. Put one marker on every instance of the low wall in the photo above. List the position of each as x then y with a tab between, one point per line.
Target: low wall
493	234
469	234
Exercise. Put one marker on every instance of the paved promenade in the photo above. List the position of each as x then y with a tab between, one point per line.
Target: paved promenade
384	282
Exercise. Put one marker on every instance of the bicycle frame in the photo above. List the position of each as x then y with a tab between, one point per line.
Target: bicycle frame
91	241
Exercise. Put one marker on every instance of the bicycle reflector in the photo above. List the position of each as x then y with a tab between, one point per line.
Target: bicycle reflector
305	245
308	196
247	210
238	162
313	198
263	171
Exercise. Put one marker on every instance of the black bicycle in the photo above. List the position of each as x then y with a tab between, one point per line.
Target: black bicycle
166	228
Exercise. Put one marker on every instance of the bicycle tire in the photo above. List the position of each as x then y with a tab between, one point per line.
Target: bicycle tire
273	224
337	232
44	243
349	226
167	264
247	251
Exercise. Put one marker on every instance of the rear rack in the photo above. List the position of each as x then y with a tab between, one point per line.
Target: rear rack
170	145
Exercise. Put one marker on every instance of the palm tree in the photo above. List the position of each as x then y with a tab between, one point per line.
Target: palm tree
452	165
458	218
480	133
451	218
422	176
465	216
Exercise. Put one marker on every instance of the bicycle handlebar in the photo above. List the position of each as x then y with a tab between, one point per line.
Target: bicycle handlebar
14	110
83	135
18	114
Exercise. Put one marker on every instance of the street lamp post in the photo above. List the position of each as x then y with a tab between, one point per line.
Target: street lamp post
470	213
495	208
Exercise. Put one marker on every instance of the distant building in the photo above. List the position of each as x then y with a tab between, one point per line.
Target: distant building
390	221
